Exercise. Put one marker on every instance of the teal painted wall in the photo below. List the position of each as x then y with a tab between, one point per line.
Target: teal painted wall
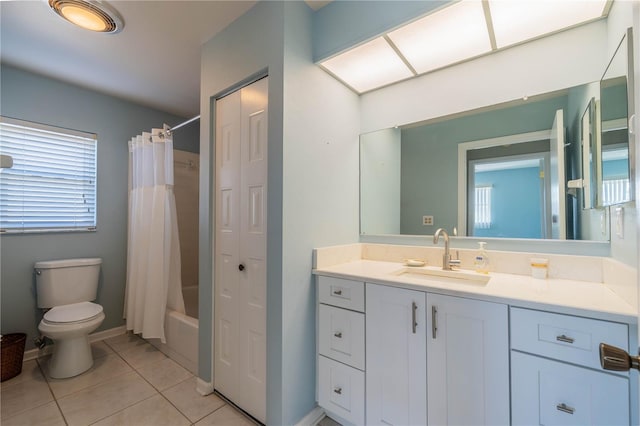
341	25
430	158
615	169
35	98
320	197
313	142
251	45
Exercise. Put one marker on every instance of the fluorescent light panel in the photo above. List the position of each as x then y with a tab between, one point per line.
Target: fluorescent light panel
518	21
456	33
368	66
450	35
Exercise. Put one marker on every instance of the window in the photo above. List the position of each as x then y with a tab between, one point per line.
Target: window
615	191
483	207
52	183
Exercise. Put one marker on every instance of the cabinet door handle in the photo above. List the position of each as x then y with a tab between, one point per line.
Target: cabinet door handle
338	391
338	334
566	339
565	408
337	292
414	323
434	321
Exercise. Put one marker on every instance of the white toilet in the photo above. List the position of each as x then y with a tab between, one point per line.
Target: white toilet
67	287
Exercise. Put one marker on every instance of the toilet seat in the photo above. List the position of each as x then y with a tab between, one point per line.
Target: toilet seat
73	313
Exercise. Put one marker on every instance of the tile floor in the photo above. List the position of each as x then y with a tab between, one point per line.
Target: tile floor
130	383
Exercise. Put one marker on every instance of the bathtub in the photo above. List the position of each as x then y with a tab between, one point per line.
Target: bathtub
181	332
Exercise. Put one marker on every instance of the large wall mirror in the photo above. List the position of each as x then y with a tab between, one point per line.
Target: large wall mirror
520	169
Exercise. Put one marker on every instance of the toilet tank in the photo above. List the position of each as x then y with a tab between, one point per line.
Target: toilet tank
61	282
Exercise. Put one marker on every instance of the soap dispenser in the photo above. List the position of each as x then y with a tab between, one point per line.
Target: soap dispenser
481	261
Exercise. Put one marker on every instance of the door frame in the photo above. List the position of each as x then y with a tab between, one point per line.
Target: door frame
463	177
545	187
207	388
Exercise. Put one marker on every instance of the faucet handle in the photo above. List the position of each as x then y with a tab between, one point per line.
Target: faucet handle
455	262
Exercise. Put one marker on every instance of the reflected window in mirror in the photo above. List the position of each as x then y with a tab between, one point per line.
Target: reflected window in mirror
512	178
615	171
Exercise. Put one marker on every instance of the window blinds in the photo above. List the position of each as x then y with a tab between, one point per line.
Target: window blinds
52	184
483	207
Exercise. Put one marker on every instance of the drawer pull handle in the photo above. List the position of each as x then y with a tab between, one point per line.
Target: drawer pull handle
337	292
338	334
565	408
565	339
338	391
434	321
414	322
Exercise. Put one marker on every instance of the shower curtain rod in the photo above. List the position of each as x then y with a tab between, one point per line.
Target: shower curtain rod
177	126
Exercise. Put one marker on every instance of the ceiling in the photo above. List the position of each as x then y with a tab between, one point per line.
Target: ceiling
154	61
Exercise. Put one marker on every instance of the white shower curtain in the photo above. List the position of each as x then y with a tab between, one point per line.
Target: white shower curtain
153	252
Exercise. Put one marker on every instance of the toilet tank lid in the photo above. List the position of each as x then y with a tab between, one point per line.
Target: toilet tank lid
67	263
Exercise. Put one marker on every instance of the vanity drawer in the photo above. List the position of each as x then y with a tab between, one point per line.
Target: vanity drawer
341	293
341	335
564	337
549	393
341	390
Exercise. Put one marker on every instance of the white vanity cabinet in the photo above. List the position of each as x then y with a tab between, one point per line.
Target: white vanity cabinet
396	356
556	377
435	359
341	356
467	361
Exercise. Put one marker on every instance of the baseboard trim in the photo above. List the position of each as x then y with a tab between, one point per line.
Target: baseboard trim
93	337
107	334
204	388
312	418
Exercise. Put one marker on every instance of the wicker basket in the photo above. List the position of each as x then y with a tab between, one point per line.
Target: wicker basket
12	352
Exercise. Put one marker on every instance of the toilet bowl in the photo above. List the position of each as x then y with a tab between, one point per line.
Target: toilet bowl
69	326
65	288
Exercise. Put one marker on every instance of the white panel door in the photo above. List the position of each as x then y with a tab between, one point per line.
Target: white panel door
253	250
467	362
227	246
240	286
558	209
396	388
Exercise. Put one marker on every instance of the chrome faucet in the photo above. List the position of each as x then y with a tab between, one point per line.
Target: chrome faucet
447	262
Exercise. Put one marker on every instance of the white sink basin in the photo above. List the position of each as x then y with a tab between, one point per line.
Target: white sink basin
434	274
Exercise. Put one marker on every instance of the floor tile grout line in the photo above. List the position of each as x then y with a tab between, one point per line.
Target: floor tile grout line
119	411
55	399
157	391
133	370
86	387
237	408
155	388
164	396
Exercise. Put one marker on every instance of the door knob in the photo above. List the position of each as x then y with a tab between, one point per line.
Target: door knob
241	267
616	359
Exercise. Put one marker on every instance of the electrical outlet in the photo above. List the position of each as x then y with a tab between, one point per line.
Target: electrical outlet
427	220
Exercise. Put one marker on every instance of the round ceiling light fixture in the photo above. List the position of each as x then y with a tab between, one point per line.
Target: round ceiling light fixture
89	14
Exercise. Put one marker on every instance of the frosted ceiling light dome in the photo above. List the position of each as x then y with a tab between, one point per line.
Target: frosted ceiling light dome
91	15
369	66
452	34
518	21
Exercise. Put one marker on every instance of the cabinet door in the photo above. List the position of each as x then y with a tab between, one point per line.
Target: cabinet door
341	390
554	393
396	356
468	362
